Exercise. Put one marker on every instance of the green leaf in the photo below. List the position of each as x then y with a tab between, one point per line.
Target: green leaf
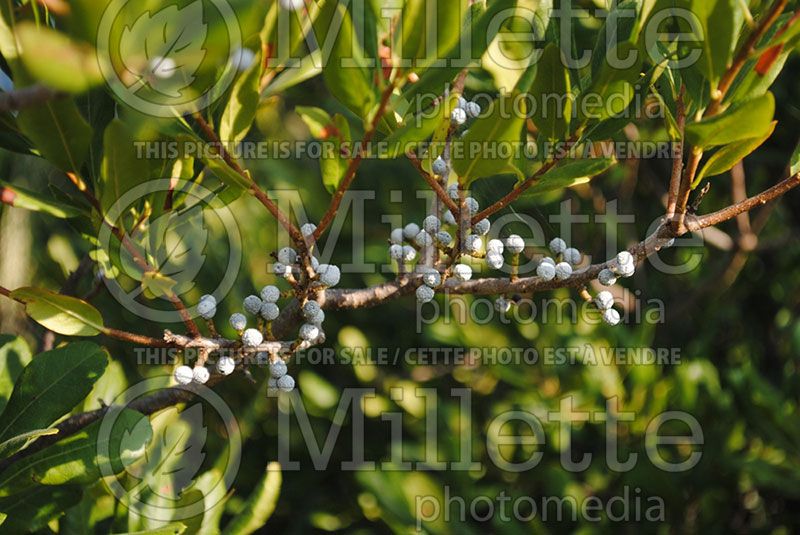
32	510
260	504
794	162
415	130
419	21
478	31
729	155
570	174
62	314
19	442
744	120
343	65
308	67
120	170
14	356
720	21
58	131
176	528
51	386
33	201
550	94
480	153
317	120
56	60
334	165
241	109
84	457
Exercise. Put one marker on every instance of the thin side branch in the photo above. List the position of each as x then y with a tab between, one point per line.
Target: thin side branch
354	164
26	97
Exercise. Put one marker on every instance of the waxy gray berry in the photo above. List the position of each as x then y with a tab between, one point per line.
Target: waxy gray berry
226	365
431	224
309	332
462	272
252	304
396	236
207	308
573	256
558	246
410	230
269	311
270	294
563	271
458	117
432	278
482	227
200	375
606	277
604	300
495	246
495	260
278	368
515	244
423	239
183	375
329	275
611	316
287	255
439	166
546	271
238	321
425	294
286	383
252	338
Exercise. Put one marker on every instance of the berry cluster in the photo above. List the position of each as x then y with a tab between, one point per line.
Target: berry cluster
264	309
463	111
406	242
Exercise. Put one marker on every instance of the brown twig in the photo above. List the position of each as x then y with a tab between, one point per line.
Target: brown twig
354	164
441	194
254	189
27	97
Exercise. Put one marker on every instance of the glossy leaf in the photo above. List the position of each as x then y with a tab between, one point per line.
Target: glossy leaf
14	356
59	62
745	120
729	155
121	170
570	174
317	120
19	442
488	147
794	163
343	68
30	511
51	386
243	104
58	131
305	69
720	21
260	504
14	195
550	94
62	314
333	163
82	458
479	30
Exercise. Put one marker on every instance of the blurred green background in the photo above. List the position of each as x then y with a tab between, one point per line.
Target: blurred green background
738	331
